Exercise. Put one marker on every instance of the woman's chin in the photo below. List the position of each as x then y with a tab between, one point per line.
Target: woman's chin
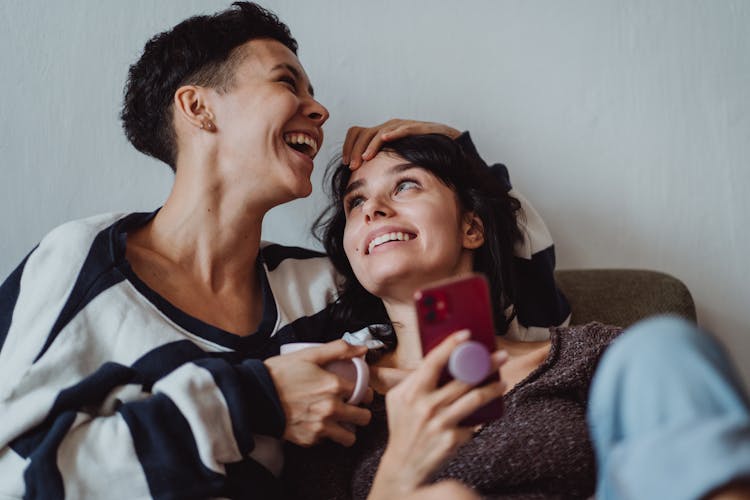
396	287
303	190
296	189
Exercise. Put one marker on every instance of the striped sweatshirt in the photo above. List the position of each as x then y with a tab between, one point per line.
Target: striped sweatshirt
109	391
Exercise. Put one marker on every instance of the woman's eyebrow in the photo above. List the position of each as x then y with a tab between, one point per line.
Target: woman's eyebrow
402	167
354	186
395	169
295	72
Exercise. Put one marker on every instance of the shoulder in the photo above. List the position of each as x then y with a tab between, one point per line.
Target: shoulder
583	345
303	281
301	265
590	337
78	233
64	250
274	255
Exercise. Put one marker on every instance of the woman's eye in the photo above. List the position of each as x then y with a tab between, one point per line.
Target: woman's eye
354	202
406	185
289	81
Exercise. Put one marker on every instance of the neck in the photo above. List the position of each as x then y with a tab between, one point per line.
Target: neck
206	230
408	353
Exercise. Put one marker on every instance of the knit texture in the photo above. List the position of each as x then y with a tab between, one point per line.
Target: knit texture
540	448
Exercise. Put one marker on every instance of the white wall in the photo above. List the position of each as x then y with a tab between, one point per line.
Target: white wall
627	123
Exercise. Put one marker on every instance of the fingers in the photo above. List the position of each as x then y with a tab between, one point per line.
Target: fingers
451	391
339	426
472	401
332	351
376	142
371	140
330	419
402	129
341	434
363	143
351	414
346	150
429	371
359	142
369	395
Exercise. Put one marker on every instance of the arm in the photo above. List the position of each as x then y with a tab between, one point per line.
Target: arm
151	415
177	437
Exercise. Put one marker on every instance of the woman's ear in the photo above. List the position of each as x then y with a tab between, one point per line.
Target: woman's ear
473	231
191	105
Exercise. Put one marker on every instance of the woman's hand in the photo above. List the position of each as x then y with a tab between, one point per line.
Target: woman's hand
448	488
383	379
313	399
423	421
363	143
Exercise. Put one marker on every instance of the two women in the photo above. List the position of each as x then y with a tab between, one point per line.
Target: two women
138	351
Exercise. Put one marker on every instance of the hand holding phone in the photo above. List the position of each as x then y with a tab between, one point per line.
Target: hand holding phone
457	304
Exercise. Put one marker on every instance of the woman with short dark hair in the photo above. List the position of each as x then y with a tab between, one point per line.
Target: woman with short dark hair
133	345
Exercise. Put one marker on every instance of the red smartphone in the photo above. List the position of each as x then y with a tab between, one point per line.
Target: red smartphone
456	304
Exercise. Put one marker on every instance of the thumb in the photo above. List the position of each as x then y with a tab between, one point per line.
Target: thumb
334	351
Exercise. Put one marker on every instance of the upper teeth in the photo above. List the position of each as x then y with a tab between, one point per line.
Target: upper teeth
295	138
384	238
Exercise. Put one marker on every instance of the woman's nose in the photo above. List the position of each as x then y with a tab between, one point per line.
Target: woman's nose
377	209
316	111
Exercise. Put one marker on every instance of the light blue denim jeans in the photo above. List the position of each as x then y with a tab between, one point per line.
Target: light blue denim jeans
668	416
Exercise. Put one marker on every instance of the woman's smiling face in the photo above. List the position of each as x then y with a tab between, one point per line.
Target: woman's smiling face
404	227
269	119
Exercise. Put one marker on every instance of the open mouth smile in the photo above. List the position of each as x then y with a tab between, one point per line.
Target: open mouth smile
388	237
302	142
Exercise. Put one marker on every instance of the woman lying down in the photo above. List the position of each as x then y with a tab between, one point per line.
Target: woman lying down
453	218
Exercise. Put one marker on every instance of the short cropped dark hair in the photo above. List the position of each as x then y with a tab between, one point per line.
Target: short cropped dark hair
477	191
198	51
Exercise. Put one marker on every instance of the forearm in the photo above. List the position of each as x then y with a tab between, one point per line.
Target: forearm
199	418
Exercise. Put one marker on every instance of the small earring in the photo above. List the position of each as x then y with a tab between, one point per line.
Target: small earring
207	125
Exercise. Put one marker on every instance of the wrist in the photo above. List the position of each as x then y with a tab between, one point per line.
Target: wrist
393	479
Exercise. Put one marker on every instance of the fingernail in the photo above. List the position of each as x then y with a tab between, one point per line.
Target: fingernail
501	355
463	335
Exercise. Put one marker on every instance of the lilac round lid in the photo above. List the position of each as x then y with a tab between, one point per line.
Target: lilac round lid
470	362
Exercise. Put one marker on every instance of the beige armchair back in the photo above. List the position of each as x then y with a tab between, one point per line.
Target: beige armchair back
623	296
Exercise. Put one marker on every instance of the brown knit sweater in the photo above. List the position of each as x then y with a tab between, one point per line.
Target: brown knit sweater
540	448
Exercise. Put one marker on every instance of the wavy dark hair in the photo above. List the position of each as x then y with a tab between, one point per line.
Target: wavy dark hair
198	51
477	190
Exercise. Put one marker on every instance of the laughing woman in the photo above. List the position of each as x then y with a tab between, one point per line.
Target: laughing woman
136	350
455	218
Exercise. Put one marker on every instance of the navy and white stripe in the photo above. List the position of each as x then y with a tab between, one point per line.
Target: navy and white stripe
108	390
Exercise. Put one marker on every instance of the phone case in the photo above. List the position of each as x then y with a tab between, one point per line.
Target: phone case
459	303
